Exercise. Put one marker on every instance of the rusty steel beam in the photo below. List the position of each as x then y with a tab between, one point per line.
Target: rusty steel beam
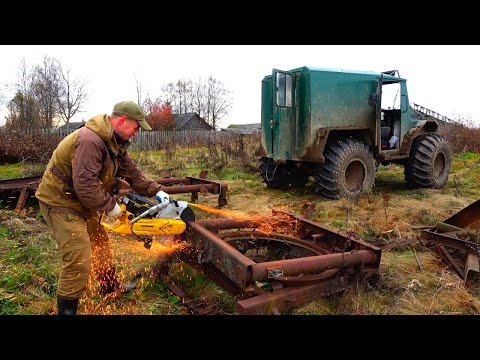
207	269
446	255
290	297
18	183
472	268
225	257
441	239
269	270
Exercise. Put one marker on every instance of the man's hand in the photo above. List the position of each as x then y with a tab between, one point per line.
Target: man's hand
162	197
115	212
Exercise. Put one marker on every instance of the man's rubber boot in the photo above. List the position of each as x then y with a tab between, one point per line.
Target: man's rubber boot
109	284
67	306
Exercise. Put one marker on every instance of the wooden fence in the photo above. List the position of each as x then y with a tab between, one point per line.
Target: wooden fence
159	140
156	140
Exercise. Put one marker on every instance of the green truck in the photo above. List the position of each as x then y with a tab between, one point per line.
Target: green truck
338	126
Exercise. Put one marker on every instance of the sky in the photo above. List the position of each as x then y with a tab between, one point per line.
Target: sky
442	78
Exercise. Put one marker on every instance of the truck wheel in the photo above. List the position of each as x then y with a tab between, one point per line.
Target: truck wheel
279	176
348	170
429	162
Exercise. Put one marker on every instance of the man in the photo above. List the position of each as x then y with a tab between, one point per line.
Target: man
73	194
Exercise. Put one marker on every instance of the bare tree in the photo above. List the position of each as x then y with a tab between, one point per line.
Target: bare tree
184	89
139	91
209	99
218	101
72	95
170	96
46	86
44	94
198	97
178	96
22	110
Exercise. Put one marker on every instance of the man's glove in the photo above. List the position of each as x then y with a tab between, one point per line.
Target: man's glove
115	212
162	197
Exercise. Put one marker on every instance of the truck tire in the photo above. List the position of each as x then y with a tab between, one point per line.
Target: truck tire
348	170
279	176
429	162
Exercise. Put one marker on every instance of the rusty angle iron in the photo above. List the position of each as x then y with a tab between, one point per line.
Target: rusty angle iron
457	241
271	264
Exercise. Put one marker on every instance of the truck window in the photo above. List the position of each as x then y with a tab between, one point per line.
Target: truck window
284	89
391	96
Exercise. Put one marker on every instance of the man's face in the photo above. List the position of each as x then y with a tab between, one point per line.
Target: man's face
126	128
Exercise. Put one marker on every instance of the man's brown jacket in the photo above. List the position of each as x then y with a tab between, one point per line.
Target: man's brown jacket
82	165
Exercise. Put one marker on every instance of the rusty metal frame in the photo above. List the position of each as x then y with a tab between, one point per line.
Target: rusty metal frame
294	281
195	185
28	185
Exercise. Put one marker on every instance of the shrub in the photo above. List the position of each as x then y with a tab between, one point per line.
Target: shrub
18	146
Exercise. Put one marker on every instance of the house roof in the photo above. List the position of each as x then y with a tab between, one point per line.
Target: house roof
182	119
244	129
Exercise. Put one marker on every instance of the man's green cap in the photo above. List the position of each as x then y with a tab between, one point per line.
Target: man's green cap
131	111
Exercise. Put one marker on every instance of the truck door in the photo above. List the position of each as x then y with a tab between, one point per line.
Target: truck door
284	118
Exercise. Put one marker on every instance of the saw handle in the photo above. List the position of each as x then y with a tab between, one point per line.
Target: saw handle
151	210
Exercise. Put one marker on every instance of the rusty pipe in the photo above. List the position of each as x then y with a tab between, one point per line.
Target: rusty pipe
308	264
189	188
184	180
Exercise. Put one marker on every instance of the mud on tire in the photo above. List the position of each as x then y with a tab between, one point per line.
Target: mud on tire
429	162
348	170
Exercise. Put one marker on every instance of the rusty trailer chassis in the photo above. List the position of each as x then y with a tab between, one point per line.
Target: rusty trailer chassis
272	264
457	241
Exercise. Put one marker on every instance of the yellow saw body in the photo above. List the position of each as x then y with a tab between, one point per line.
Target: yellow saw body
143	227
142	217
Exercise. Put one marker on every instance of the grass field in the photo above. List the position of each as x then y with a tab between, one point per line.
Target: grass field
411	279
